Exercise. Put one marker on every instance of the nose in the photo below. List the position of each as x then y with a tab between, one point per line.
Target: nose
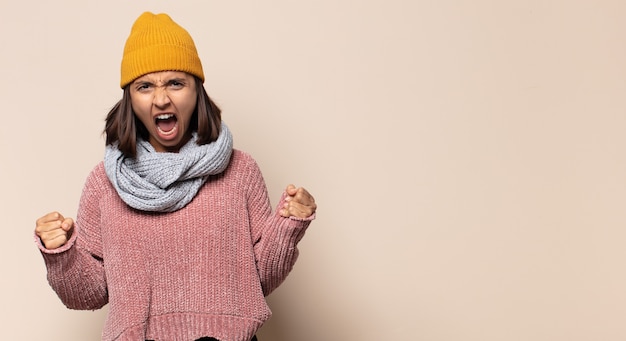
161	97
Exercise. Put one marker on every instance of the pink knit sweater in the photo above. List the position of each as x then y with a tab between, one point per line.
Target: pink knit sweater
201	271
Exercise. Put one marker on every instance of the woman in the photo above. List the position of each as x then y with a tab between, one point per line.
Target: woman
174	229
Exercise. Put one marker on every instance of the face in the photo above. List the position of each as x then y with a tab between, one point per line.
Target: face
164	102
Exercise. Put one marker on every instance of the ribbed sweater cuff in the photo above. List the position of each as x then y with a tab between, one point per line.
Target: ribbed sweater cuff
68	245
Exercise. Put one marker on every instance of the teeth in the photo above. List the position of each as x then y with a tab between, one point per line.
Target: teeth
164	116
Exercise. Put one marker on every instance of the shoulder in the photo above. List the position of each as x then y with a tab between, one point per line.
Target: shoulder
243	167
97	178
98	171
242	160
241	156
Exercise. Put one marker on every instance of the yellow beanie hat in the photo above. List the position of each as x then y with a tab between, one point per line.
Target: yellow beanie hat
157	43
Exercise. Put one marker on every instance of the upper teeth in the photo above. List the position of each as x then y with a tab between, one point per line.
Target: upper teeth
164	116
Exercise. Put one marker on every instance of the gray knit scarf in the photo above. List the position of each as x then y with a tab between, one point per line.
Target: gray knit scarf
166	182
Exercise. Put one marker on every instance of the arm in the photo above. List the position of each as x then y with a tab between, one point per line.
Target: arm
275	236
75	269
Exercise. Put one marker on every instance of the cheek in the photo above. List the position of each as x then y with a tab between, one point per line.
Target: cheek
141	112
188	108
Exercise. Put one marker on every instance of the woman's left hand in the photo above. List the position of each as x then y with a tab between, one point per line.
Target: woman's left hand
299	203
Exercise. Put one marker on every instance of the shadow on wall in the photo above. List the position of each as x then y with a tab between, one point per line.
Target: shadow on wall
315	318
287	323
311	306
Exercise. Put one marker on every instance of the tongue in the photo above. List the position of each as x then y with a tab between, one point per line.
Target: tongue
167	125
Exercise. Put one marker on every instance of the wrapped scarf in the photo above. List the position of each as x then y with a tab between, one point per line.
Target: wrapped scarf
166	182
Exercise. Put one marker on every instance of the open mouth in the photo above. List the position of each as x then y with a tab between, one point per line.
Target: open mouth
166	124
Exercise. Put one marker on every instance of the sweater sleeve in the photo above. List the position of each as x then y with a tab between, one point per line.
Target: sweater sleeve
275	237
75	270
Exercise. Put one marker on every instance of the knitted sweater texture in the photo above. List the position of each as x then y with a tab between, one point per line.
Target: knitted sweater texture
203	270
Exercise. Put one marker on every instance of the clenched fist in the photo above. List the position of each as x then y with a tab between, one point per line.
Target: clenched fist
54	230
298	203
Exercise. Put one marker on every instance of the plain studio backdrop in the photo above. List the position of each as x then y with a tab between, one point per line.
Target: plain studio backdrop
467	157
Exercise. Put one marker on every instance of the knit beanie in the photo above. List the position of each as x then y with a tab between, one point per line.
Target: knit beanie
157	43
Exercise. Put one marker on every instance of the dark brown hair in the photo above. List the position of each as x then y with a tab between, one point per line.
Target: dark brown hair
123	127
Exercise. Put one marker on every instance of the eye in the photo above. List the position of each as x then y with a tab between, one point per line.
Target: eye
176	84
143	87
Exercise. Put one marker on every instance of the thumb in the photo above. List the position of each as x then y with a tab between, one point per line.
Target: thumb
67	224
291	190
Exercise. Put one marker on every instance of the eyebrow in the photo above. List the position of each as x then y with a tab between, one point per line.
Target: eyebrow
177	79
168	81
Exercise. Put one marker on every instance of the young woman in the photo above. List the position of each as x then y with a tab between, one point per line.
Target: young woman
174	229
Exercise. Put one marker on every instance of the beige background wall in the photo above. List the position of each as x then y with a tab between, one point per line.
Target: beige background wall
467	156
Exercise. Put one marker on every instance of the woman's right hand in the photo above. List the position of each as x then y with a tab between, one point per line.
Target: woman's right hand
54	230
